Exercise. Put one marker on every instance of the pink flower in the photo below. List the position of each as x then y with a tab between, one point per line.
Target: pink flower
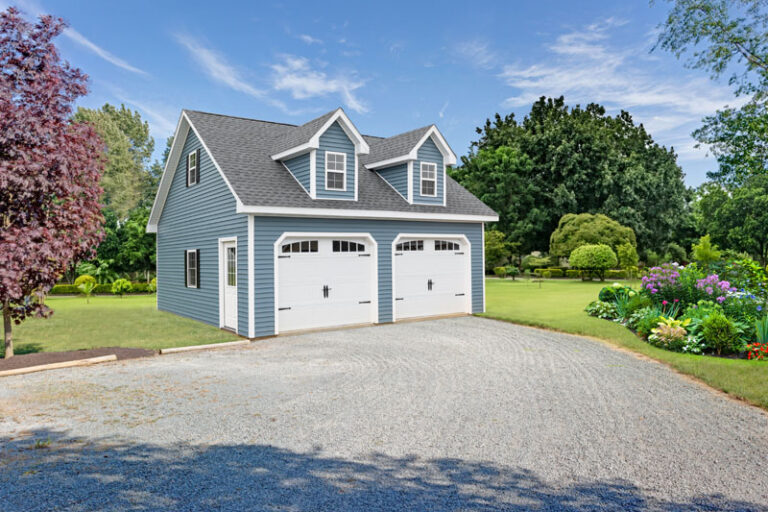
665	302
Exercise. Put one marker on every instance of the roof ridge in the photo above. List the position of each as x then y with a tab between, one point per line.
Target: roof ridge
240	117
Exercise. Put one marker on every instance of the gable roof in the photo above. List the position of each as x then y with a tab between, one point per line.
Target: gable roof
301	134
307	136
242	150
397	145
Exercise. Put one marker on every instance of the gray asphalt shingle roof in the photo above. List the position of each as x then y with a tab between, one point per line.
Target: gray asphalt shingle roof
395	146
243	147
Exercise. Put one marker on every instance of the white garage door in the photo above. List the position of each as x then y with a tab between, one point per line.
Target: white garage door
325	282
431	276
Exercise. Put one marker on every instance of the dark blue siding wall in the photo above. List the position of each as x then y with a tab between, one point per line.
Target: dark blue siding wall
268	229
397	176
195	218
299	167
336	140
428	152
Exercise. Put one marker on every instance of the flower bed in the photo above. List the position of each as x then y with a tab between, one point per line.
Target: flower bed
718	310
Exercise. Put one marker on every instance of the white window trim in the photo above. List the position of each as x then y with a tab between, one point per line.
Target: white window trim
186	268
422	179
344	172
189	168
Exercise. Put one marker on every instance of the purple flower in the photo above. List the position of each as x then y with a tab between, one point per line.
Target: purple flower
709	290
721	299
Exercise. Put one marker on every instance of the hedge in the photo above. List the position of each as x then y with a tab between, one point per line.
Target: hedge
573	274
616	274
101	289
553	272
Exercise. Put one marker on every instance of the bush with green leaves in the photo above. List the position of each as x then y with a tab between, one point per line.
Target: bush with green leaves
720	334
676	253
152	287
575	230
627	256
602	309
500	272
85	278
572	274
593	259
121	287
86	288
705	252
531	262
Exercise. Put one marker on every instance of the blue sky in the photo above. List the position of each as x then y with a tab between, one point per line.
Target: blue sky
392	66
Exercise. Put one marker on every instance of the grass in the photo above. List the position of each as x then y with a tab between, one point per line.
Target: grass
109	321
559	305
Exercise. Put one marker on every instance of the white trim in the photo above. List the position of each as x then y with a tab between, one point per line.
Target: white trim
457	236
410	182
482	241
313	174
297	179
189	168
222	269
325	234
449	157
186	268
422	180
445	186
361	147
169	171
287	211
356	177
343	171
250	284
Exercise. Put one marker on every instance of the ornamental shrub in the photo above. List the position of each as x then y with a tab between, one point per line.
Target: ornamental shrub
720	334
572	273
575	230
676	253
627	256
668	336
500	272
64	289
531	262
121	287
602	309
85	278
595	259
705	252
152	287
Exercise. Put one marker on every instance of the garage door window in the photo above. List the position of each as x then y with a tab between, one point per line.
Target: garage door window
303	246
445	245
345	246
413	245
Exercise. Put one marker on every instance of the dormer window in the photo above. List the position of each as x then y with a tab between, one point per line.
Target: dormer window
335	171
193	166
428	179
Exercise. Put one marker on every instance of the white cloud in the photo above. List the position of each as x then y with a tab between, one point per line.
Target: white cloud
309	39
584	66
159	120
217	68
296	76
36	10
477	53
441	114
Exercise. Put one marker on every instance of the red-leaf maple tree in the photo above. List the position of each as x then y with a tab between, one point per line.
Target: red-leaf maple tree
49	168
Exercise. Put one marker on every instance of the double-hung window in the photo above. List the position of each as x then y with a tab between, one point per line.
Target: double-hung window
428	179
192	268
193	168
335	171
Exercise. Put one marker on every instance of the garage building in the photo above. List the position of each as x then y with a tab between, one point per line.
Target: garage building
266	228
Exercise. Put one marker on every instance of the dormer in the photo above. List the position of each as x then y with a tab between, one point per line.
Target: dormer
322	155
414	164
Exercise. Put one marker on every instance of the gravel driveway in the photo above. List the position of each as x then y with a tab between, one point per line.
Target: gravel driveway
455	414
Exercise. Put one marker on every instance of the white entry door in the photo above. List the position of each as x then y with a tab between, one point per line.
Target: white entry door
431	276
325	282
229	284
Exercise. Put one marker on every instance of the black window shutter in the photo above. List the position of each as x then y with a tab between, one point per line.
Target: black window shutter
187	173
197	261
186	277
197	166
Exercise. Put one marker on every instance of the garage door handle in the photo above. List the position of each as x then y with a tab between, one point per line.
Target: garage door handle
459	253
283	256
398	254
364	302
400	298
283	309
459	295
326	291
364	255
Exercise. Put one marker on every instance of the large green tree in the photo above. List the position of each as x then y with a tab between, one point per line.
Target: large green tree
129	147
727	37
576	230
561	160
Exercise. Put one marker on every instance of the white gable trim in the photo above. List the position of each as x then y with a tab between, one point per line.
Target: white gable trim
449	157
179	139
361	147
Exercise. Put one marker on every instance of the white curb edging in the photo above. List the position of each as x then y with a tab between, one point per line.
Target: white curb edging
55	366
164	351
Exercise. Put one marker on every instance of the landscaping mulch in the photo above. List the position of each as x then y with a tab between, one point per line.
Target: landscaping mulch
39	358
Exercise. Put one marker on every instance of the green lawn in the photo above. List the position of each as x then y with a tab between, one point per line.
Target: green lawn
109	321
559	305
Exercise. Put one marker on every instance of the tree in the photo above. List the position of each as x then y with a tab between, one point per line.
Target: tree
561	160
705	252
137	248
593	259
727	37
126	180
49	168
496	251
582	229
627	257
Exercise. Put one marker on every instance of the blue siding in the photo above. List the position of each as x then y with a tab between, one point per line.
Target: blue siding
195	218
268	229
336	140
428	152
299	167
397	176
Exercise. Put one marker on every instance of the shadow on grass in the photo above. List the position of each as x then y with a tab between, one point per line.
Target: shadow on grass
22	347
68	474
